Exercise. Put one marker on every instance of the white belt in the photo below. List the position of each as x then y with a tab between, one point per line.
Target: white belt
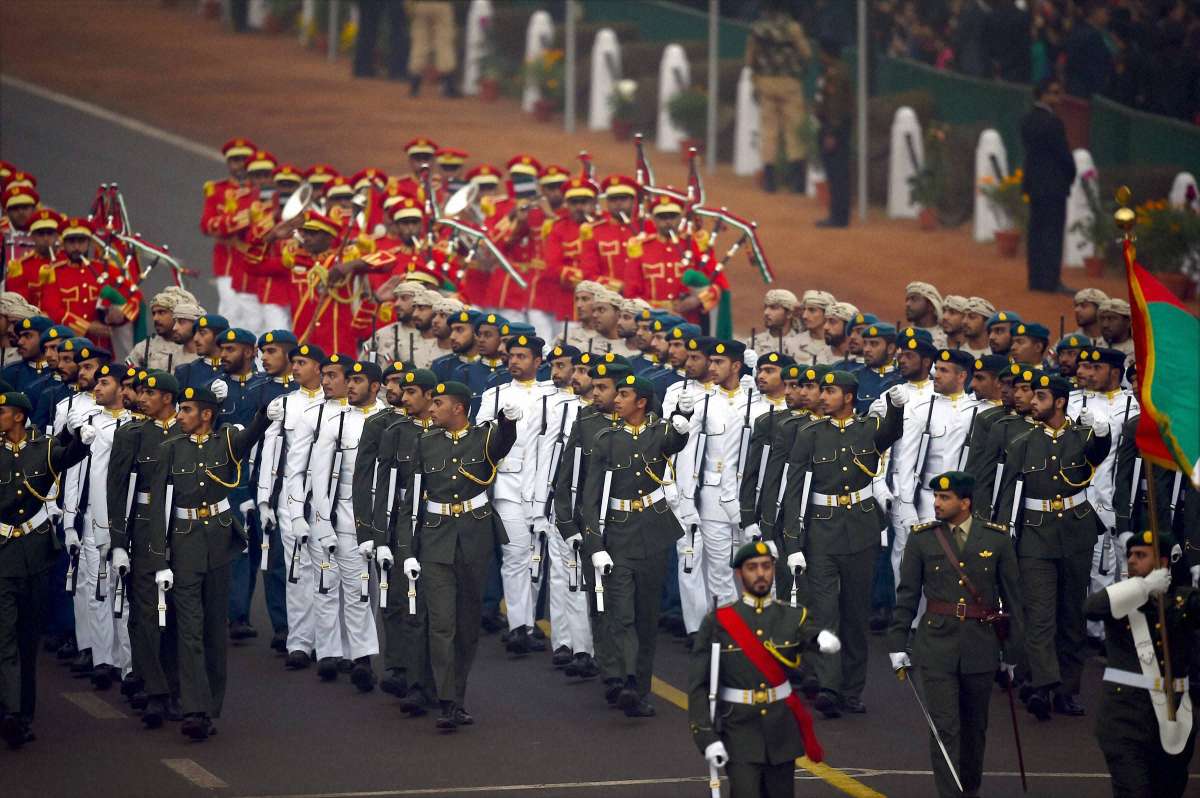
19	530
457	508
640	503
203	511
1056	504
768	696
143	497
1131	679
841	499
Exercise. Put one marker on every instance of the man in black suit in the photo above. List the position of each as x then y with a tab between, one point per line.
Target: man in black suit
1049	173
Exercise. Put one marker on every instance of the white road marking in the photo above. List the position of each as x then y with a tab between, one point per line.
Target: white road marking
95	706
150	131
191	770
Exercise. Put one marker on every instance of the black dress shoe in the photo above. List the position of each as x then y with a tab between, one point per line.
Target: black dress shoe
394	683
174	710
240	630
67	651
416	701
854	705
612	690
297	660
810	686
12	730
102	677
197	726
327	669
1067	705
628	696
345	665
131	685
492	622
445	720
518	642
691	641
279	642
562	657
585	666
1039	704
362	676
156	711
462	717
827	704
82	666
138	701
537	643
641	708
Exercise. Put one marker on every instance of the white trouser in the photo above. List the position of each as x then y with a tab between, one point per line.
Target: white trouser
568	610
249	310
227	301
514	565
1107	557
274	317
344	623
298	595
902	519
693	596
107	636
718	548
545	323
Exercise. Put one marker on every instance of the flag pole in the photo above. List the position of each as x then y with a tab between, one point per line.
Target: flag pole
1126	219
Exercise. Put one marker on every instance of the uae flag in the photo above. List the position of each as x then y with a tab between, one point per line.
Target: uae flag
1166	337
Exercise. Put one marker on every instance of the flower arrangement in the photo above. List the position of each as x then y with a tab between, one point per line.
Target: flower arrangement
1168	237
1098	230
622	101
927	185
1008	200
689	112
546	73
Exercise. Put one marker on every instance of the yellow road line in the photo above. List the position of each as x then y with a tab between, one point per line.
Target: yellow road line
830	775
192	770
95	706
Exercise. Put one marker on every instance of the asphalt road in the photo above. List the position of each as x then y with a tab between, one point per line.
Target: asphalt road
285	733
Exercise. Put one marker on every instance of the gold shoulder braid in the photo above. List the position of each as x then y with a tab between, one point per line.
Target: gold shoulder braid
492	478
237	480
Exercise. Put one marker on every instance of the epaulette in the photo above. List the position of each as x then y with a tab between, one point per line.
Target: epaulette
634	248
996	527
922	527
210	187
547	226
585	232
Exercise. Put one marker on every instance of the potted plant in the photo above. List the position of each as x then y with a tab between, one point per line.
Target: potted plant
546	73
491	70
1011	205
926	186
622	101
688	111
1098	229
1168	243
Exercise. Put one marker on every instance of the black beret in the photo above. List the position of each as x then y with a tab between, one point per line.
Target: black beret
748	551
958	357
368	368
959	482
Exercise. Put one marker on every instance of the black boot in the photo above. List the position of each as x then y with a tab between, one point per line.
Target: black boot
769	179
82	665
585	666
327	669
416	701
518	642
197	726
102	677
798	176
446	720
156	711
394	683
414	85
628	697
448	88
1067	705
612	690
1039	703
363	676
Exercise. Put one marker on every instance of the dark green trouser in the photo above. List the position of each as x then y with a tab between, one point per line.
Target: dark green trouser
958	704
201	628
155	657
839	592
633	597
1127	731
602	639
455	599
22	603
406	637
1055	628
760	780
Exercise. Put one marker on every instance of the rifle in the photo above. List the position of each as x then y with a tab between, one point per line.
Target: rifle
762	464
714	665
555	455
308	464
964	453
744	441
701	462
923	450
605	493
276	483
804	492
997	478
169	504
416	525
383	585
331	492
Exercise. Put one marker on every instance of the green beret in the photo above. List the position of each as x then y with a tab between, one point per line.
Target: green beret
424	378
204	395
1059	386
211	321
614	370
393	368
530	342
16	399
842	379
1024	372
1073	342
453	388
960	483
755	548
880	329
281	337
1031	329
368	368
640	385
813	373
310	351
994	364
161	381
493	319
1166	541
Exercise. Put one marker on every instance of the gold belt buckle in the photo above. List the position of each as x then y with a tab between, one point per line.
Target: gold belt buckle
456	508
636	505
761	696
844	500
1056	504
203	512
960	610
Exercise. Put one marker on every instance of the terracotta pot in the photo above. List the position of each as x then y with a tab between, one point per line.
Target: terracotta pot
688	144
928	219
489	89
543	110
273	23
622	129
1177	283
1093	267
823	193
1008	242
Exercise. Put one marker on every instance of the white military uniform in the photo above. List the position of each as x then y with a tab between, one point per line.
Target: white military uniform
344	621
508	493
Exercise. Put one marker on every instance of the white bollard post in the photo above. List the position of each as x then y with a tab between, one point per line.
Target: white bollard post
1180	191
1075	245
479	20
308	20
606	71
905	158
991	162
674	76
538	37
747	146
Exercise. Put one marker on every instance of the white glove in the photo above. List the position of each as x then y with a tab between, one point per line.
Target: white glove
383	556
1157	581
72	538
897	395
828	642
751	532
1087	418
366	548
1195	571
602	562
328	543
1122	541
577	540
680	424
774	549
796	560
715	753
300	529
541	524
266	515
1011	670
120	560
687	402
165	578
87	434
750	359
512	411
78	416
219	389
412	567
900	660
275	408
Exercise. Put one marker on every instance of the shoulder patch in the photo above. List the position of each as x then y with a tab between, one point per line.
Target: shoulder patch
924	526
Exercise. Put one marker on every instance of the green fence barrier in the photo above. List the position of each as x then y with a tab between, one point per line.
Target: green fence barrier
1123	136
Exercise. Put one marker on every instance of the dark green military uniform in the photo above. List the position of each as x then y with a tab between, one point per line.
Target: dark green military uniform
637	538
1054	544
1126	725
762	739
454	548
205	539
135	459
995	430
366	471
1129	506
29	474
956	656
840	535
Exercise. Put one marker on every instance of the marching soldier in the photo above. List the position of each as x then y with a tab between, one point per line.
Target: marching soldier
953	308
658	264
607	308
464	348
136	457
1147	753
606	258
879	371
398	340
628	527
27	553
965	569
447	530
25	271
579	331
160	352
1000	332
923	310
831	526
752	724
835	339
1029	342
61	380
488	369
200	469
221	197
780	323
975	319
1044	501
568	249
1116	326
32	365
1066	354
201	372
